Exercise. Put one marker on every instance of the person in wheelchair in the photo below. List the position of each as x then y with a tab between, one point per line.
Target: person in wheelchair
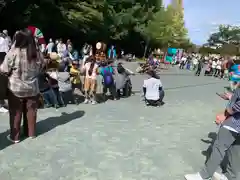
153	90
123	81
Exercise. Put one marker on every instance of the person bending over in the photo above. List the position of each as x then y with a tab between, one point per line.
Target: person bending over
153	90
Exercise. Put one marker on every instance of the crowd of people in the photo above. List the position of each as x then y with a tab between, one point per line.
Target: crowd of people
43	77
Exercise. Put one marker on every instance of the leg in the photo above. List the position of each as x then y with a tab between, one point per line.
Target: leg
223	142
233	155
56	99
113	92
25	121
31	106
46	98
161	95
93	89
87	84
15	115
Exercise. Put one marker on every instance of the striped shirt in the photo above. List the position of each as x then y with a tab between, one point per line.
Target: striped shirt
233	122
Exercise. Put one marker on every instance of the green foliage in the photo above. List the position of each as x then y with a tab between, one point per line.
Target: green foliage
225	41
126	23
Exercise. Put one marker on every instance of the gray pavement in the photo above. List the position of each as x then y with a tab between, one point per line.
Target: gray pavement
120	140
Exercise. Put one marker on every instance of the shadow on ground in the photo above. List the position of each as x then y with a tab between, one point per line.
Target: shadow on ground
52	122
212	136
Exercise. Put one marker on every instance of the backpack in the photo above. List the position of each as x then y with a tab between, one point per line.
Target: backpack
107	76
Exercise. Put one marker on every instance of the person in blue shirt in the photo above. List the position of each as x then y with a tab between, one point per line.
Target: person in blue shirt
112	54
234	76
107	72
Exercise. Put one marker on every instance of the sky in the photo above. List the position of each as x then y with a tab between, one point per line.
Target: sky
202	17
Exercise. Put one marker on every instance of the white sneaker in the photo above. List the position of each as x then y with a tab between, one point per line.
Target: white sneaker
86	101
3	110
193	177
94	102
218	176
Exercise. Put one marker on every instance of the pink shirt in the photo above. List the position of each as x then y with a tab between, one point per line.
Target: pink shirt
94	72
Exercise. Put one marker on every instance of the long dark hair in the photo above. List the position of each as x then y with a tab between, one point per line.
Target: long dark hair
93	61
25	40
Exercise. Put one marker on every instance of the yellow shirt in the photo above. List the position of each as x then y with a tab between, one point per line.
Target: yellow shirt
75	73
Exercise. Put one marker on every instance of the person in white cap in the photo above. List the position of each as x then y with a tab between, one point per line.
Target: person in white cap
8	38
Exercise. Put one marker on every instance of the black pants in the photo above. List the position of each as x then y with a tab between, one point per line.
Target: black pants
158	102
111	88
198	72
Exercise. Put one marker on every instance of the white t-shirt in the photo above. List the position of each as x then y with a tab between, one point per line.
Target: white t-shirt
214	64
219	64
87	66
152	86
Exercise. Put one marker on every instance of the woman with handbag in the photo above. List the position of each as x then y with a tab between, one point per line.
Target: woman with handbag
22	64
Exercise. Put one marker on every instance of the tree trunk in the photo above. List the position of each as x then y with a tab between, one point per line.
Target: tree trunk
146	48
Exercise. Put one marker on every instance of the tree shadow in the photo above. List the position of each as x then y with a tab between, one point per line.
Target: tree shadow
50	123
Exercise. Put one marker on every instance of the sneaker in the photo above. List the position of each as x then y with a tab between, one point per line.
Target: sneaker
3	110
218	176
86	101
193	177
94	102
11	140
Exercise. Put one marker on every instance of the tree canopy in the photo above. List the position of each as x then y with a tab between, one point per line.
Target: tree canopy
225	41
129	24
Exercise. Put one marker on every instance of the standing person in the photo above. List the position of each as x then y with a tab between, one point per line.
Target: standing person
195	63
49	47
75	80
183	62
218	68
214	65
112	54
4	48
23	63
61	48
199	67
90	83
188	62
226	144
107	73
8	38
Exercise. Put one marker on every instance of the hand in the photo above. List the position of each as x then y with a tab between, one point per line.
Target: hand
220	118
228	95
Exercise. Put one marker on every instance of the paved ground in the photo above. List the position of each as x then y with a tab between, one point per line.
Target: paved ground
121	140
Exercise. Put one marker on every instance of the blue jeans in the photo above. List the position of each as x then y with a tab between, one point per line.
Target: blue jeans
49	97
58	96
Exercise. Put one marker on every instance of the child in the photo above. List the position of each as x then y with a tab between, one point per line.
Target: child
90	83
46	91
107	73
75	79
53	81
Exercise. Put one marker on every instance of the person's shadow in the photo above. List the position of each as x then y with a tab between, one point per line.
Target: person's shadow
44	126
212	136
50	123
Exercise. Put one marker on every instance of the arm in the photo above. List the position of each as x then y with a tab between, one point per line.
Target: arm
8	63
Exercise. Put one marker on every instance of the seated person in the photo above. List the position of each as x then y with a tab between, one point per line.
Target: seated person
153	90
53	81
46	91
65	87
123	81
